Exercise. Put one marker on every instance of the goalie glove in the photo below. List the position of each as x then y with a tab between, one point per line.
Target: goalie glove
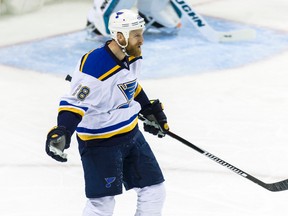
58	139
155	120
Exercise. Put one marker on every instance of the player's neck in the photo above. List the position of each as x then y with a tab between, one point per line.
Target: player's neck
116	50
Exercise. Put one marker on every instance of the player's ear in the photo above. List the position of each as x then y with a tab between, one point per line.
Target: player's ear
120	37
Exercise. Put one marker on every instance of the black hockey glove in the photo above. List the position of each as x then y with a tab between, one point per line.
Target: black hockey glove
58	139
155	120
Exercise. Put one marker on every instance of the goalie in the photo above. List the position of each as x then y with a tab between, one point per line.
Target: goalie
160	15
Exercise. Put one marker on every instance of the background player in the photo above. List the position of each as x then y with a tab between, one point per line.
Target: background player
158	14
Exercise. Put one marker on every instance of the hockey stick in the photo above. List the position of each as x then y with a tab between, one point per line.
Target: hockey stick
207	31
275	187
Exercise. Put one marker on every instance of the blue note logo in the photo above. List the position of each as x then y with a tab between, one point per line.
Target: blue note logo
109	181
128	90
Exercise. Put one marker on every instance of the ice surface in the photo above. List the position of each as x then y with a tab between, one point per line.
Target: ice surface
186	53
236	111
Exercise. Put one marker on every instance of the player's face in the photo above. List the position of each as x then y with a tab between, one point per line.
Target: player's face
135	42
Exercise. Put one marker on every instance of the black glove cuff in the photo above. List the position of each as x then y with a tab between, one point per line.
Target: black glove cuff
155	108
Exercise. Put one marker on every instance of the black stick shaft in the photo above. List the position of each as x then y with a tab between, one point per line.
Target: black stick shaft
278	186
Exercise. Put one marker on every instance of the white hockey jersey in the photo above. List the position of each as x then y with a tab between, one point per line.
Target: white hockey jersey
102	92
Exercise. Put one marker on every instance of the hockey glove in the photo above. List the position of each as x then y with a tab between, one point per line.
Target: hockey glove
155	120
58	139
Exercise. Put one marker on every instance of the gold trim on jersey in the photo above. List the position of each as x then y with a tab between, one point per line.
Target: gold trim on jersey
126	129
137	90
84	60
131	58
74	110
108	73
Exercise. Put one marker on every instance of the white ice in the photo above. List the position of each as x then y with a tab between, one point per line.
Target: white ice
239	115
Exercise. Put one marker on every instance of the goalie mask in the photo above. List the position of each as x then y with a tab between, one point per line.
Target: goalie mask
124	21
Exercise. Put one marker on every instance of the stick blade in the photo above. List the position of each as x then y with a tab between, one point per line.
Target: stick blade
278	186
237	35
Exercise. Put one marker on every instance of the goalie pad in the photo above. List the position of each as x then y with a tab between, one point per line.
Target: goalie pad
160	11
98	15
160	14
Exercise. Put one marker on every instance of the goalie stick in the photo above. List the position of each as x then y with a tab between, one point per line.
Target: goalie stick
275	187
207	31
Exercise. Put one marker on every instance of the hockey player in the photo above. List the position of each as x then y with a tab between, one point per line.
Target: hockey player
103	106
158	14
